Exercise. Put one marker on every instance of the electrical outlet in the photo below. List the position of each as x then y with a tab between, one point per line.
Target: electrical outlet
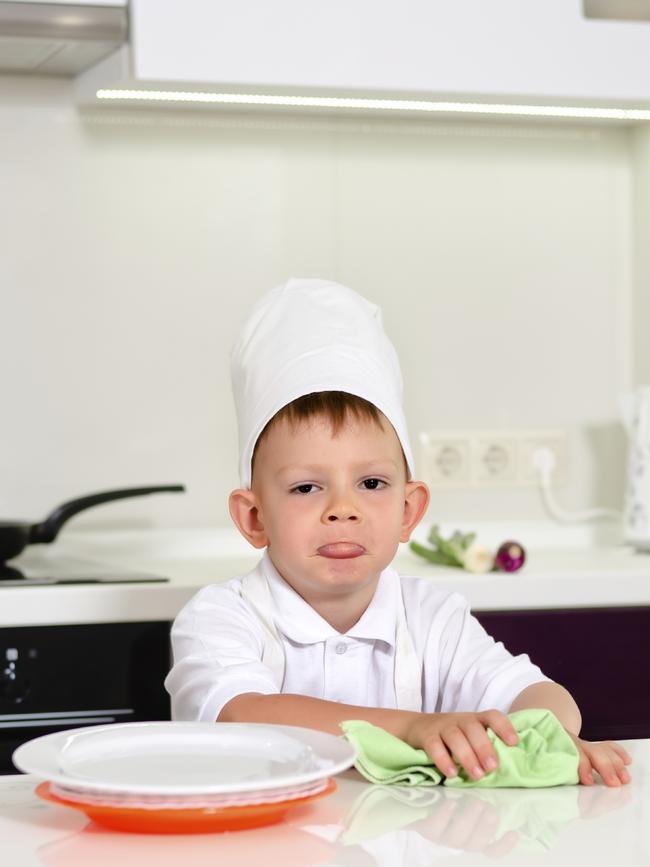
495	459
484	458
446	459
529	442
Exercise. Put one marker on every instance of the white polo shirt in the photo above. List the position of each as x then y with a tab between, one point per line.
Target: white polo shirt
218	642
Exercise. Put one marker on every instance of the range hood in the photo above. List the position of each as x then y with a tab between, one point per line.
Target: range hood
59	38
618	10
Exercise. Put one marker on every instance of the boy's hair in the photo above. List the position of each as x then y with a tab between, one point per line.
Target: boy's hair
335	406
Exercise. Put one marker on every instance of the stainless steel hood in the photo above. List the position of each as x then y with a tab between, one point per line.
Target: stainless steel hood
617	10
58	38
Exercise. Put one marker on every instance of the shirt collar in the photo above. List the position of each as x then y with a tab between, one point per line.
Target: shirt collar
299	622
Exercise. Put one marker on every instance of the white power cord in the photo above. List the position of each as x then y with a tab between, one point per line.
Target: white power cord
544	463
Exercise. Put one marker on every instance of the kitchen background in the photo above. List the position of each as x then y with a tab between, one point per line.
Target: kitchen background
510	259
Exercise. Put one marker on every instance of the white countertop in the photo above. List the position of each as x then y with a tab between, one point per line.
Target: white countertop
553	577
361	825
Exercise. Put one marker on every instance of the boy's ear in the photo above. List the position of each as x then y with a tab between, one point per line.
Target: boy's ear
415	505
244	511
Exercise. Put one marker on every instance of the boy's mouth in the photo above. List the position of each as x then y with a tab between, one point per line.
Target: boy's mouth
341	550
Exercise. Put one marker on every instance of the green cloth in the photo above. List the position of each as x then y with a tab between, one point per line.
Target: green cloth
544	756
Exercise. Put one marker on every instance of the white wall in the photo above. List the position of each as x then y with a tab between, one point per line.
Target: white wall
132	245
641	201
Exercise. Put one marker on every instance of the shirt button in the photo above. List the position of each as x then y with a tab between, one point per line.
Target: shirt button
341	648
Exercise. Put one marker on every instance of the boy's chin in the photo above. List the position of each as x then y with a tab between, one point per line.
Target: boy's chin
355	569
330	572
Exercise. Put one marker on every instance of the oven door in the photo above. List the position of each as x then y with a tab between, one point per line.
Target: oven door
61	677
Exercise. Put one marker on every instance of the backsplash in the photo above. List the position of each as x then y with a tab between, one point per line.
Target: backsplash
135	242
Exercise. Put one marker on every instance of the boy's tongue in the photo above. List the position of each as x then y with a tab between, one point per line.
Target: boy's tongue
341	550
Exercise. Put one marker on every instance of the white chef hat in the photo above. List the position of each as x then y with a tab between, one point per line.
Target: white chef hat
307	336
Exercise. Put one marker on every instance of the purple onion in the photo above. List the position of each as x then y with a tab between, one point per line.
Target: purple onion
510	557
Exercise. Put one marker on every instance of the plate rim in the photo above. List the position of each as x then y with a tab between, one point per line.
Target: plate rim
44	791
46	768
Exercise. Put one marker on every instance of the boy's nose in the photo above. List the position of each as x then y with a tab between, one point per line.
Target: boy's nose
342	513
339	515
341	505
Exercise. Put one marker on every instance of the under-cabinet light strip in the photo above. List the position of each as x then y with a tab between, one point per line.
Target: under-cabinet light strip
65	713
378	104
52	723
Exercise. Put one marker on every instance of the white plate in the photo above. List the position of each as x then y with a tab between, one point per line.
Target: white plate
132	801
178	758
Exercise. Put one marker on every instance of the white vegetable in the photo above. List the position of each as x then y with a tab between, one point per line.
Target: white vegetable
478	559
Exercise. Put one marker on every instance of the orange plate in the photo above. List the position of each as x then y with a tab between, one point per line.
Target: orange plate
192	821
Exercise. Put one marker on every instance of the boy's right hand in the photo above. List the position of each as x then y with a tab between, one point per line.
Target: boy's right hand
461	736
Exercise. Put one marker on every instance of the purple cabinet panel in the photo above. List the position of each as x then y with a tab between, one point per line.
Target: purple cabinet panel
600	655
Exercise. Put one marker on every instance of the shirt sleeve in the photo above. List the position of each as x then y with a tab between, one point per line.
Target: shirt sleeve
475	671
217	654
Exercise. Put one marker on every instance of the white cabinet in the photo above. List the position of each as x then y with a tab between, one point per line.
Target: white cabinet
513	50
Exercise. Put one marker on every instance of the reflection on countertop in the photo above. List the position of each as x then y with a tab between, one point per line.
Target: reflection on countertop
377	826
362	825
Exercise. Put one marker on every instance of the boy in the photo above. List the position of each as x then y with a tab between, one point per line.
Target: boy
323	629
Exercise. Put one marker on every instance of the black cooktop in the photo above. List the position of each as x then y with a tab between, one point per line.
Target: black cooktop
33	569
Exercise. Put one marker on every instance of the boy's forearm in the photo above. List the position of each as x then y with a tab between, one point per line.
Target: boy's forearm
553	697
302	710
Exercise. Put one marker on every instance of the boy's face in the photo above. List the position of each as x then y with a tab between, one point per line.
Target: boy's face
333	508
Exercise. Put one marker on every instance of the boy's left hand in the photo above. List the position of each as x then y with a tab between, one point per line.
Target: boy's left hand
606	757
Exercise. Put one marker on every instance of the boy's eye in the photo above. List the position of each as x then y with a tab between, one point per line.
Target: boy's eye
303	489
373	484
